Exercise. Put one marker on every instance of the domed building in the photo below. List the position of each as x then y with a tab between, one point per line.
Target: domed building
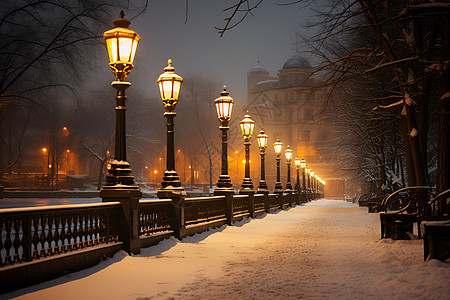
291	106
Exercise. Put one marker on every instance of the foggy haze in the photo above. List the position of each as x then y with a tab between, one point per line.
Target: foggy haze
196	47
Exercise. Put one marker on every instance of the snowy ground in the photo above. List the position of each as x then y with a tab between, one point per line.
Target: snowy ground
326	249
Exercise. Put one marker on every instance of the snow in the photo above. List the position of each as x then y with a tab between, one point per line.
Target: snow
408	99
326	249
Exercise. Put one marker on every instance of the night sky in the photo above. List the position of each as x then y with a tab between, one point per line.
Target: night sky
196	47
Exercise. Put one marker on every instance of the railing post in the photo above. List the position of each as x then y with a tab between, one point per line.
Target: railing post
177	218
251	200
26	228
229	208
266	202
128	222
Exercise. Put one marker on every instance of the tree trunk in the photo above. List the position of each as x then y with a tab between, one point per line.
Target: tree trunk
443	172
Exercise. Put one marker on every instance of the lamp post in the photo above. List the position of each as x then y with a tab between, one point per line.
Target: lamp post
121	42
313	183
247	126
288	153
297	167
303	166
224	106
278	146
169	87
262	139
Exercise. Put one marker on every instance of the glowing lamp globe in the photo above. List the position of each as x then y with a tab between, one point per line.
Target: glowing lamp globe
169	87
224	106
277	147
262	139
288	153
297	162
303	163
247	126
122	43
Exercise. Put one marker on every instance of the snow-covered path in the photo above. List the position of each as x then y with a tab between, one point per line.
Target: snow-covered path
326	249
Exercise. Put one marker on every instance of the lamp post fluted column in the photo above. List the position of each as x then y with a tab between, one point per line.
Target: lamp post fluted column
297	167
170	85
278	145
262	139
224	106
122	43
288	153
247	126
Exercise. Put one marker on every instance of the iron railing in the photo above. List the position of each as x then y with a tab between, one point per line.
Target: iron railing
28	234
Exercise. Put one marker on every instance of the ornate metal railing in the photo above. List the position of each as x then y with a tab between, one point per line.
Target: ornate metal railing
154	216
240	204
273	201
204	209
28	234
259	202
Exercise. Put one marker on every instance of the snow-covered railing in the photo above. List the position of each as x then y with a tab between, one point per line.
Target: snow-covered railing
204	209
32	233
154	216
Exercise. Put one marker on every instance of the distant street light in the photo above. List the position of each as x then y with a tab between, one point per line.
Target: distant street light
121	42
288	154
297	163
262	139
224	106
303	166
169	86
313	186
278	146
247	126
308	170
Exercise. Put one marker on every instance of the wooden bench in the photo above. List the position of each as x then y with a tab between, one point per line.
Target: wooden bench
363	199
374	203
402	209
436	240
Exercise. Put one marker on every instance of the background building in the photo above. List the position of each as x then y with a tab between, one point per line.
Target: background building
292	106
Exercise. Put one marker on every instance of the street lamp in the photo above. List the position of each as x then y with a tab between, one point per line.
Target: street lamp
247	126
169	86
303	166
121	42
262	139
278	146
297	167
288	153
224	106
313	185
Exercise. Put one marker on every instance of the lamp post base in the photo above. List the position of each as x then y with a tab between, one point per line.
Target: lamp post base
288	188
171	186
247	184
119	176
224	181
263	186
278	188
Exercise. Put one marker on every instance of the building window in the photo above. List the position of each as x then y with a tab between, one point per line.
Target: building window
290	79
304	135
308	115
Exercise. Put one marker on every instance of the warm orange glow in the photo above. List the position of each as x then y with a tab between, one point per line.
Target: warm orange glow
44	150
68	150
65	128
50	166
155	172
107	153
